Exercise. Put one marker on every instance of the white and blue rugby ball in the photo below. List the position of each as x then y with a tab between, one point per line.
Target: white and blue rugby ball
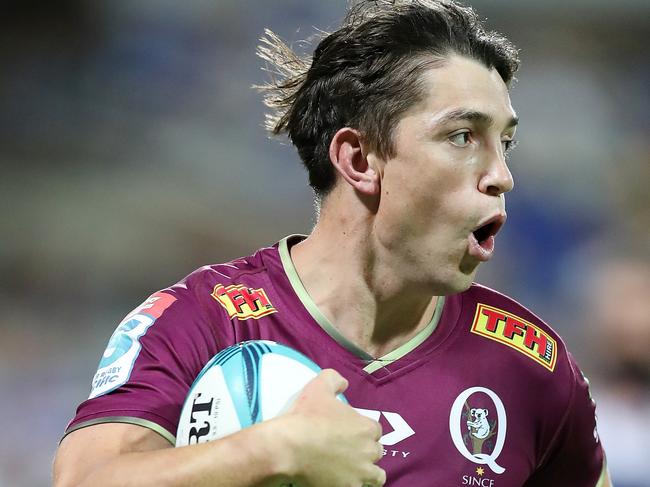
242	385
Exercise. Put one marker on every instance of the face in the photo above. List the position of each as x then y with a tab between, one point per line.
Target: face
442	193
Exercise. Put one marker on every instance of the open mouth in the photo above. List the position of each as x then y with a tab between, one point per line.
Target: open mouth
490	229
482	237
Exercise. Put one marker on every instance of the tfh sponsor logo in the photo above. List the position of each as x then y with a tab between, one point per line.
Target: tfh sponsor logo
243	302
517	333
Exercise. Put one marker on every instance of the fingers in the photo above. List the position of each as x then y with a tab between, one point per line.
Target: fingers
380	453
377	430
376	477
334	381
325	386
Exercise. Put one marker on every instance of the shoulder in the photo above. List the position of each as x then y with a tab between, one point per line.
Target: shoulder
218	293
480	294
184	313
525	355
231	270
211	279
505	321
528	349
520	347
537	363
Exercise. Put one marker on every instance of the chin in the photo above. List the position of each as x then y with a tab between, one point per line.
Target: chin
460	286
452	278
461	280
452	284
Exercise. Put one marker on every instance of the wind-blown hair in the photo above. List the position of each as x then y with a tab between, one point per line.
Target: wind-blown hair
366	74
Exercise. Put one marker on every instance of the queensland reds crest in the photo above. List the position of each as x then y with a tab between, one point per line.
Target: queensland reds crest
477	424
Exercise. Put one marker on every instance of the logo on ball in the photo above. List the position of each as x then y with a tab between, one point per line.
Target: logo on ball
242	385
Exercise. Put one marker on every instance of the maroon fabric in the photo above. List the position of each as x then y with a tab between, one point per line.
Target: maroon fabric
445	407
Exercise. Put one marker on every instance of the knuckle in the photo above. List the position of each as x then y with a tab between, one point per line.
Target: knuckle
381	479
374	452
325	374
380	451
378	477
374	429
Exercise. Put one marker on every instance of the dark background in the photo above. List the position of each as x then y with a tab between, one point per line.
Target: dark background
132	152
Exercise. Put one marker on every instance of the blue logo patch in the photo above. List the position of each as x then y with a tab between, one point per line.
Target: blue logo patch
123	349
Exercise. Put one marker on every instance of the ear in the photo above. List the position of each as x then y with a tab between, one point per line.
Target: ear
349	159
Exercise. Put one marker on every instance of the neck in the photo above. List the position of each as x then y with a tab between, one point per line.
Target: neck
353	284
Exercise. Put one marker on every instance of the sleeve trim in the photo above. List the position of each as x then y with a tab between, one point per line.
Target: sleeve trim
127	420
604	476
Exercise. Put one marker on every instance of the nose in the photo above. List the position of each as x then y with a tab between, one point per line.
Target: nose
497	178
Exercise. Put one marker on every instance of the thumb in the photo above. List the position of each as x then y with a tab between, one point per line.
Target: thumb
332	381
328	383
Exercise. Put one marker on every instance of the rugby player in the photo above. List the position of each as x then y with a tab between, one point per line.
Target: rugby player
403	119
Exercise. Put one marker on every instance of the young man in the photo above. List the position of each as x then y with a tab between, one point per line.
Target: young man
403	120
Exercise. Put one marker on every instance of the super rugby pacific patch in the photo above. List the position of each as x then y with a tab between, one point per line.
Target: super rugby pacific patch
124	346
517	333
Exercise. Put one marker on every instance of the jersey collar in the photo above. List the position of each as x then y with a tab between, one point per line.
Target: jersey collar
373	363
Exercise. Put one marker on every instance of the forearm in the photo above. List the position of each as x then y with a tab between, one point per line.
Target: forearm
248	458
320	441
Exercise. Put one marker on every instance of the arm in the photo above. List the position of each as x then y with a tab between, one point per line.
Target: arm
320	442
577	458
123	454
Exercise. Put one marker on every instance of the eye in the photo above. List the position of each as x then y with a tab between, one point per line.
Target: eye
508	146
460	139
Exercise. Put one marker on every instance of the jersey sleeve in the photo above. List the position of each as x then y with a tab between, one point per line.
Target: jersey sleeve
576	457
149	364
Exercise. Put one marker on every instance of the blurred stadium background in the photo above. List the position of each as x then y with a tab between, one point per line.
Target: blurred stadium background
132	152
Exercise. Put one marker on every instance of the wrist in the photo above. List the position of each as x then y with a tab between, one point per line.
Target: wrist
270	447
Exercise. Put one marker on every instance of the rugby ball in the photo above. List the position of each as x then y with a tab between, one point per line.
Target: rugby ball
242	385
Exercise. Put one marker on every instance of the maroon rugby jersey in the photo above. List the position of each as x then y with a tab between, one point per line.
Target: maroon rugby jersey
486	395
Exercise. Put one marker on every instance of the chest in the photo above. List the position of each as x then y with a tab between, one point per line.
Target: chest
443	424
449	427
453	417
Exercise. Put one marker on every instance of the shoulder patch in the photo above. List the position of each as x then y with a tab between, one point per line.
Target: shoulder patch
124	346
515	332
243	302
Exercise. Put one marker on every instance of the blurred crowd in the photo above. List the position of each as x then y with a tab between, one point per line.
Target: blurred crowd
132	151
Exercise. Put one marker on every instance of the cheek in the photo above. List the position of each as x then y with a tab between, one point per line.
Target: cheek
425	196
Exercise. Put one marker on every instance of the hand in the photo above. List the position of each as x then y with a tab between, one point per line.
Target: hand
330	444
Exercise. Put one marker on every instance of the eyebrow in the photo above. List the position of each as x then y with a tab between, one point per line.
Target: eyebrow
481	118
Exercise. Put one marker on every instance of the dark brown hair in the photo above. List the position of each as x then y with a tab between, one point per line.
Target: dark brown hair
367	73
